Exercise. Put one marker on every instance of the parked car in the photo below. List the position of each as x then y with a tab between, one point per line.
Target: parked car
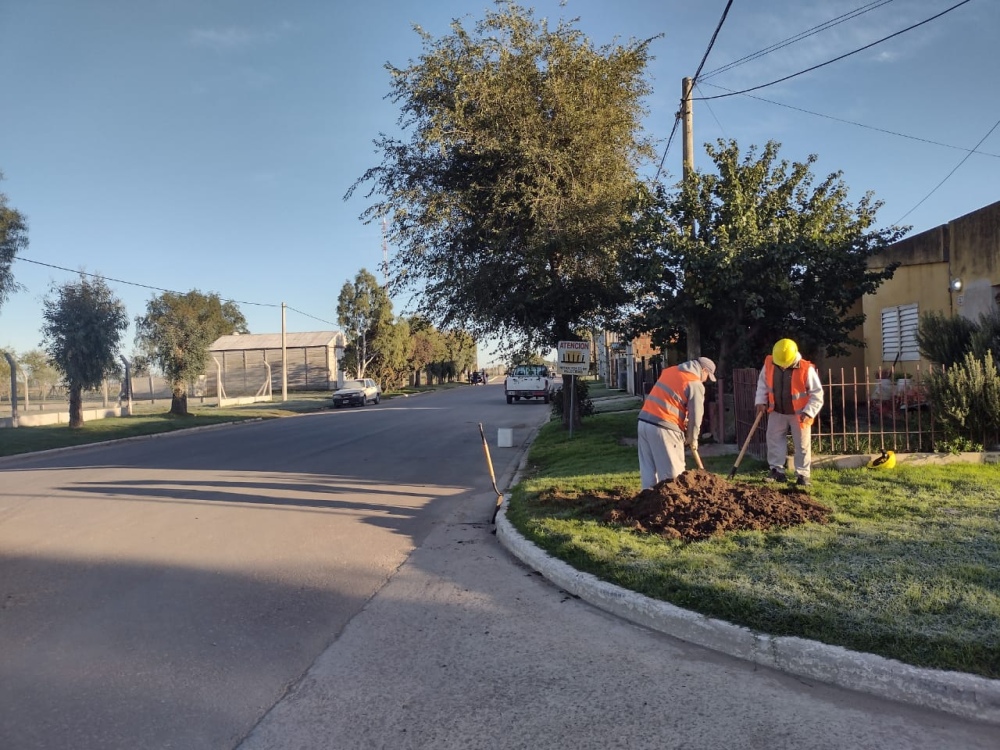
357	393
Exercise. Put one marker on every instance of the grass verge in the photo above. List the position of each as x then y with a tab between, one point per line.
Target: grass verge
909	567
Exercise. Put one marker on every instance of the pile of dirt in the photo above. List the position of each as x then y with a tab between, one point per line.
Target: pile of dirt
698	504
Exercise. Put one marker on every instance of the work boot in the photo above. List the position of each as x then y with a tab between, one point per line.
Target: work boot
802	481
776	476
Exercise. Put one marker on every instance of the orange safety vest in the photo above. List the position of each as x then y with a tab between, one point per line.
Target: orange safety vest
800	384
667	401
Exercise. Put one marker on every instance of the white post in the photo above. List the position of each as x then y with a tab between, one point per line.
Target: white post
284	358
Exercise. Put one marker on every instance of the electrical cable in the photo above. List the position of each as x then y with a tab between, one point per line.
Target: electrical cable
694	80
160	289
836	59
964	159
874	5
860	124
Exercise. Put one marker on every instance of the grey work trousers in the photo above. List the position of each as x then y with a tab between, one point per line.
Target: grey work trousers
661	454
778	426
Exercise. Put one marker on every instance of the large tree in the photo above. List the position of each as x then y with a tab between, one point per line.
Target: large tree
507	201
176	333
84	325
754	252
13	240
363	308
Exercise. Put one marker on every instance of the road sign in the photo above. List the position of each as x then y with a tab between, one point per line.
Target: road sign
574	357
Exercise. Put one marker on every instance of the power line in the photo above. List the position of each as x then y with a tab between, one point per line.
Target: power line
289	307
168	291
964	159
712	112
711	42
860	124
701	65
841	57
800	36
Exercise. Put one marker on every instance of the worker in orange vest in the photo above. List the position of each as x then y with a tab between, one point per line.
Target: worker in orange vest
671	418
790	391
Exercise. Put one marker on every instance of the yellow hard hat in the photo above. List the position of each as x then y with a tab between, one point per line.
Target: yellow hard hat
784	353
886	460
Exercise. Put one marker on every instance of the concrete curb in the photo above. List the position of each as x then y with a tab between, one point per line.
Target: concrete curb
956	693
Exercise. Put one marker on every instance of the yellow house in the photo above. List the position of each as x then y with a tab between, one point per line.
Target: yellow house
953	269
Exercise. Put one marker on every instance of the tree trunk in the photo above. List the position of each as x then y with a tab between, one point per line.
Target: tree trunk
179	401
693	338
75	406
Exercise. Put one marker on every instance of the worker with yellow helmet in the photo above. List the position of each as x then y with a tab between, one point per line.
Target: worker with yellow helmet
790	391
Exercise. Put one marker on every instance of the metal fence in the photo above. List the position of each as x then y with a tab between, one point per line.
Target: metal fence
864	411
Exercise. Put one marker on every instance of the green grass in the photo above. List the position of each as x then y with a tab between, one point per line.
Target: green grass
908	568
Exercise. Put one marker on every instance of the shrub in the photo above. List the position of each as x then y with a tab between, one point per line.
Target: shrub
943	339
584	406
966	400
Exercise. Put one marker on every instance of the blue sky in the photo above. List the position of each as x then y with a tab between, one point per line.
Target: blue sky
208	144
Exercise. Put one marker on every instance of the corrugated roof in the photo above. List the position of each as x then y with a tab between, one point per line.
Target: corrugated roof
238	342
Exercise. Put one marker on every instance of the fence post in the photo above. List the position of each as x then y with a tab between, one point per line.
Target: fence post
13	388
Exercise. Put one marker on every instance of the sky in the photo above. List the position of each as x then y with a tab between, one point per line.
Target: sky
208	144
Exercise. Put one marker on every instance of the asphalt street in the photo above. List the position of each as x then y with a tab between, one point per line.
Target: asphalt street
332	581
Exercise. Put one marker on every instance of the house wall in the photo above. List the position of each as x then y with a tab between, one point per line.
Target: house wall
967	248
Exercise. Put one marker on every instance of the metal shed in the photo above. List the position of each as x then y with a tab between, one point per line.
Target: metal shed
312	361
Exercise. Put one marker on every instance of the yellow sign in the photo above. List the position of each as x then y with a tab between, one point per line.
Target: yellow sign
574	357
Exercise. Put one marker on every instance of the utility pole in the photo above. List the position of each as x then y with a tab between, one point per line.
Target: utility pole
687	123
687	130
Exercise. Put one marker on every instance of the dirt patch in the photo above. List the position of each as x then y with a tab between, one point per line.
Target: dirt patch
699	504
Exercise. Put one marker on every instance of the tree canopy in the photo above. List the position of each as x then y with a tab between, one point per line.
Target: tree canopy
13	240
771	255
83	329
177	331
508	199
363	308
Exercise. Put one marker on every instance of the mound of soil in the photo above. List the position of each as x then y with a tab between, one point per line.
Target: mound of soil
698	504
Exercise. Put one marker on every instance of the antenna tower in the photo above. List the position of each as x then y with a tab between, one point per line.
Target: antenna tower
385	255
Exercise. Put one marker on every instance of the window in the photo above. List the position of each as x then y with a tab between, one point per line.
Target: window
899	333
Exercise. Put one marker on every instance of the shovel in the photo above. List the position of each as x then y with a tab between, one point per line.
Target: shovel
746	444
697	459
489	464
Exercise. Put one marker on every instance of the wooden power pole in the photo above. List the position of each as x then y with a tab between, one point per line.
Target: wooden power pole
687	130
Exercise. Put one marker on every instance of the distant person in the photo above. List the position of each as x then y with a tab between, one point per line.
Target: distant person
790	391
671	418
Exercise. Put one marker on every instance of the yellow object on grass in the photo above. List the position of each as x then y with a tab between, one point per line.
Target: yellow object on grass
885	461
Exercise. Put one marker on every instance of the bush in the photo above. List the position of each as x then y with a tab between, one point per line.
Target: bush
966	400
584	406
943	339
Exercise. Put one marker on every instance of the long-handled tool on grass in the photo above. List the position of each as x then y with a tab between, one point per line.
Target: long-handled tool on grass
489	464
746	444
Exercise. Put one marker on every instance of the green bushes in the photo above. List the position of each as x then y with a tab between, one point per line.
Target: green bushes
944	339
966	399
584	406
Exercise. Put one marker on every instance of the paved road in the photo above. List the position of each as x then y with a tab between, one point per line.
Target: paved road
166	592
287	570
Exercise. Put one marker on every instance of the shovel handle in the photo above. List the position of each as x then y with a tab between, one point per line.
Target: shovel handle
697	459
746	444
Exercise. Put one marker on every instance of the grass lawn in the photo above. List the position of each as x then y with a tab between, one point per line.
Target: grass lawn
908	568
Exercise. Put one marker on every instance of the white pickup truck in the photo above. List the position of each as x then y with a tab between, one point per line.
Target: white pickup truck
528	381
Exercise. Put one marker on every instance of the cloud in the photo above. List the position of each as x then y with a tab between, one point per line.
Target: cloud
223	40
233	38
